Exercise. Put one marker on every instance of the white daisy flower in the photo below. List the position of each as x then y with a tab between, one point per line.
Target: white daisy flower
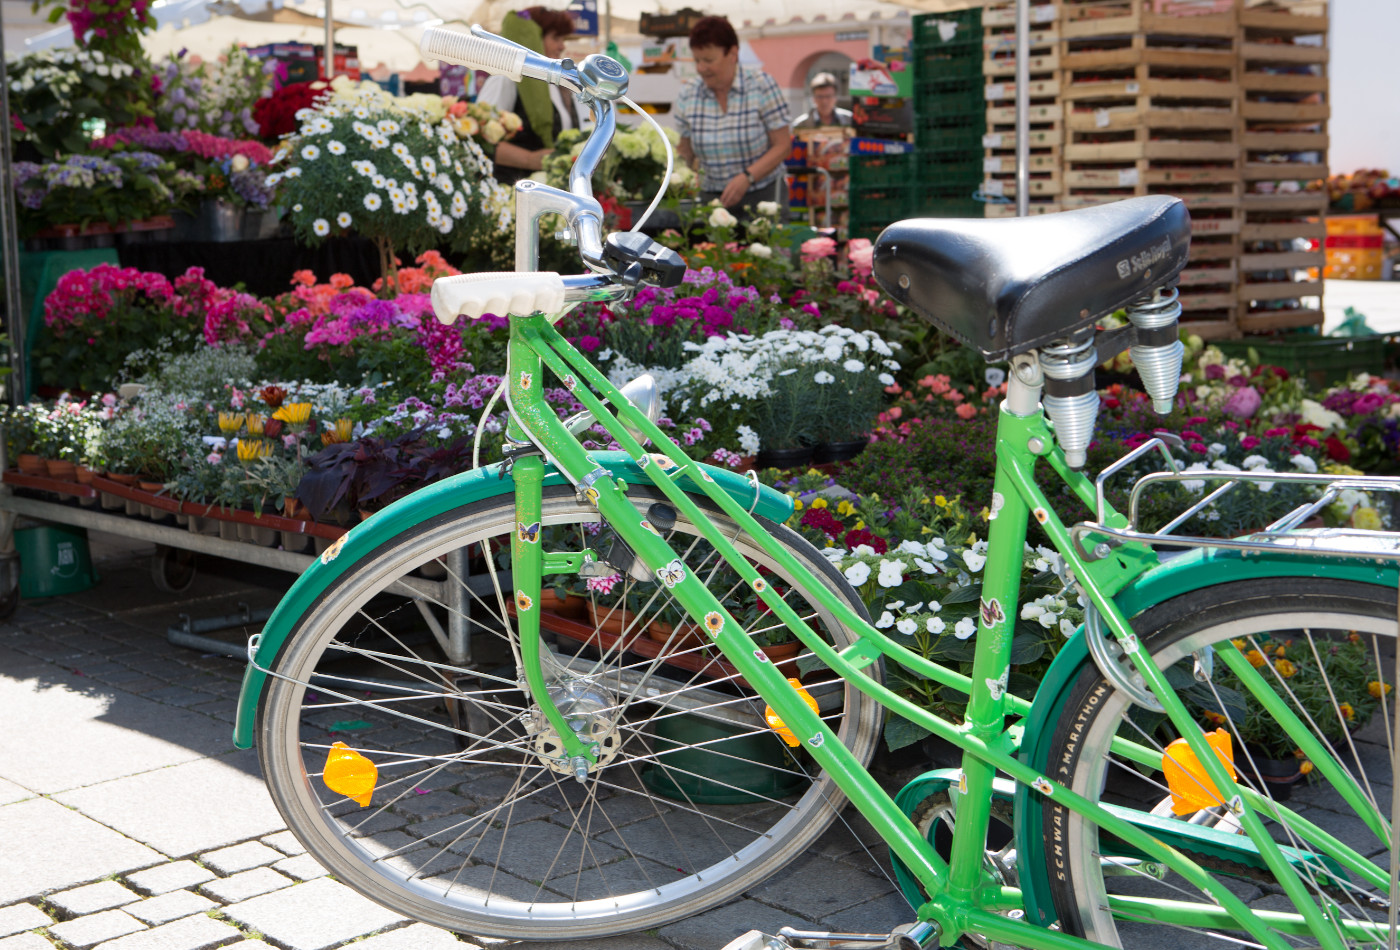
429	166
335	148
388	126
343	219
373	201
321	227
400	149
853	366
444	155
311	153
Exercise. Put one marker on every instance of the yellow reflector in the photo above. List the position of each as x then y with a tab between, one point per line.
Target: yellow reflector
350	774
775	722
1192	790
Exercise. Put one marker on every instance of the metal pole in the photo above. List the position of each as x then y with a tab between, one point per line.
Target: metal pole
330	43
17	323
607	24
1023	107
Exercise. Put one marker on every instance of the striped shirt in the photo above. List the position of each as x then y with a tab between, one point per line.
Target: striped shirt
727	142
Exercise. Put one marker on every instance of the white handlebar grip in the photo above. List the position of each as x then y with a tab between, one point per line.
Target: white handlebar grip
471	295
464	49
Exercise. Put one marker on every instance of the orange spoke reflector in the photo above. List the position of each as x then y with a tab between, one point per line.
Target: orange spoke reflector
775	722
1192	790
350	774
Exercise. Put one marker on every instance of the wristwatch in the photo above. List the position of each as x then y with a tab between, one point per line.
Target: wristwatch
749	175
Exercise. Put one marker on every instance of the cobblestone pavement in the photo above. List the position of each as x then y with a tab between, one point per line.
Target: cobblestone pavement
128	820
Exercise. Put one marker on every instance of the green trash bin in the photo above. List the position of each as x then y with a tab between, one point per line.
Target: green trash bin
53	560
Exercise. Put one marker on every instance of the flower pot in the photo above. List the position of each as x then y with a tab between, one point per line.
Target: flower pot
122	479
61	469
743	766
784	458
686	638
154	488
1277	776
784	656
259	225
150	231
216	220
84	475
612	620
839	451
31	464
572	605
228	530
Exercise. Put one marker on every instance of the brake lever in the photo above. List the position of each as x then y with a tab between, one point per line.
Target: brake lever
634	257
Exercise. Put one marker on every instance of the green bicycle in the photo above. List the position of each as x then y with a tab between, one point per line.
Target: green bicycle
449	754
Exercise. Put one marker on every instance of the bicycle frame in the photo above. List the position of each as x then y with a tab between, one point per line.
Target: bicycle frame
962	898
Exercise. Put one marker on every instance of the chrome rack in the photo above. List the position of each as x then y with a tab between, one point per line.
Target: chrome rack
1282	536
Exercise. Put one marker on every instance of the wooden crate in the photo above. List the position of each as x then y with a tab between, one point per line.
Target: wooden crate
1004	115
1040	135
1004	15
1082	18
1035	205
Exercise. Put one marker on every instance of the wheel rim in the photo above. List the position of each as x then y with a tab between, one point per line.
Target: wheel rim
613	855
1097	773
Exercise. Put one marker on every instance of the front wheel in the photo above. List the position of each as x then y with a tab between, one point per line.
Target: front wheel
471	820
1326	649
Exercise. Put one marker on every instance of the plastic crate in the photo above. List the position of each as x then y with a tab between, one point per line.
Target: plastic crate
946	178
881	202
929	28
1319	360
876	170
962	90
960	140
932	65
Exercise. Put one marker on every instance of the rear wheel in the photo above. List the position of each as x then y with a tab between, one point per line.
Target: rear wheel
1335	672
473	824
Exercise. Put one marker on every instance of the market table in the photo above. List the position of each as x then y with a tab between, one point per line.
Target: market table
264	267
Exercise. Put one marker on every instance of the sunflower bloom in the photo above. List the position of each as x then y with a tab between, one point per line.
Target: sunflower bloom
250	450
294	413
230	421
255	423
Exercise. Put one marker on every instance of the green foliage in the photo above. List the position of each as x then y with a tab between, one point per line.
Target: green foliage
55	93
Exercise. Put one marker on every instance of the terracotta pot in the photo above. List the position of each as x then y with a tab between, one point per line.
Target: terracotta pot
687	638
85	475
610	621
784	656
572	605
62	469
31	464
294	509
122	479
154	488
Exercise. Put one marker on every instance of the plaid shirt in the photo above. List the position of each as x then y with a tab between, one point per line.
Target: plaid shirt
726	143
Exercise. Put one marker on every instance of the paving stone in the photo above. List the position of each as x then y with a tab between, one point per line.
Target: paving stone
188	933
240	857
303	867
432	805
721	925
25	942
423	937
95	928
104	895
817	887
245	884
169	877
625	942
10	792
878	916
286	842
90	851
316	915
168	907
19	917
186	822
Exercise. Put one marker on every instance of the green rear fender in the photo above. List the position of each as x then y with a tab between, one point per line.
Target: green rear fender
426	503
1179	575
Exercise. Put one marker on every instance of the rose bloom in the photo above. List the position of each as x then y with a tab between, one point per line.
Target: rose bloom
814	249
493	131
511	121
861	253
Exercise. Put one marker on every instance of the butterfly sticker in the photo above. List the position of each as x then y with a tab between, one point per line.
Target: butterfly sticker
650	527
760	656
570	383
530	535
714	623
672	574
526	380
333	552
644	461
523	601
705	475
816	740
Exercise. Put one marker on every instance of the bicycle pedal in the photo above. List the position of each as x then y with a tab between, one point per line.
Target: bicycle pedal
916	936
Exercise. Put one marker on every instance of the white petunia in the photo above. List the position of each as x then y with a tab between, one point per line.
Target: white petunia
858	573
966	627
321	227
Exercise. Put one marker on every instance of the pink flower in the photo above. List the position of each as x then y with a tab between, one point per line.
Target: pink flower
1243	403
861	253
213	458
814	249
289	440
966	410
1249	442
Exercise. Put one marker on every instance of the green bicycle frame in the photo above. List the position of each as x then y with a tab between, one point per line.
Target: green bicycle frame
962	897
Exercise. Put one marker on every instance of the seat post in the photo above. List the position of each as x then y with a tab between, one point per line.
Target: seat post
1024	384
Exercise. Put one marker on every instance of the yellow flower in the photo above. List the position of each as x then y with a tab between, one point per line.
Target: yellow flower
1285	668
250	450
343	429
1238	643
1281	649
1368	519
940	501
860	524
1255	658
926	530
1354	637
797	504
1305	767
845	508
986	514
818	503
1374	688
1214	717
255	423
230	421
294	413
1347	711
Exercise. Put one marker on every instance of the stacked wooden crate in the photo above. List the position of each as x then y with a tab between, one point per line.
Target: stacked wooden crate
1284	111
1151	97
1046	112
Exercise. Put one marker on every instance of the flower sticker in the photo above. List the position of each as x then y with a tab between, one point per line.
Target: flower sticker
760	585
714	623
523	601
526	380
760	656
650	527
333	552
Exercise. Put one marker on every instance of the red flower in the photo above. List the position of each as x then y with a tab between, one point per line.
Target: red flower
863	536
1337	450
823	520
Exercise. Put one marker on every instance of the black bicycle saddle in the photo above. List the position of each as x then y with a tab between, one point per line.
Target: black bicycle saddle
1007	285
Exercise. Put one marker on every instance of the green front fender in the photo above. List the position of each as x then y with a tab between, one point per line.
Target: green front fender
426	503
1177	576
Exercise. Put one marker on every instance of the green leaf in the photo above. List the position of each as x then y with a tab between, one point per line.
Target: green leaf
1026	648
963	595
900	732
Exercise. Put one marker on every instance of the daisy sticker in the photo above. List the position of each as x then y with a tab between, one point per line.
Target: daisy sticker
525	380
523	601
760	585
714	623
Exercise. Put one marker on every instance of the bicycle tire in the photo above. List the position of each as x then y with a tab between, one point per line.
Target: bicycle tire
1314	613
637	860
